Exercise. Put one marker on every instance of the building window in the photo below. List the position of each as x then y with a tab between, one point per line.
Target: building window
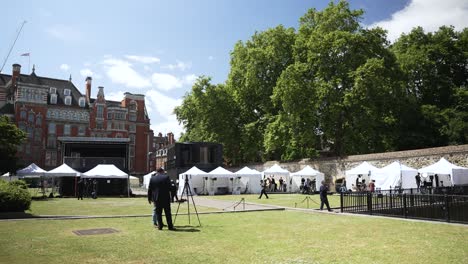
132	139
38	134
31	118
132	117
66	129
132	106
100	111
22	126
53	90
132	128
132	151
52	142
39	120
53	99
51	128
30	133
81	131
68	100
82	102
99	125
109	115
66	92
119	116
23	114
51	158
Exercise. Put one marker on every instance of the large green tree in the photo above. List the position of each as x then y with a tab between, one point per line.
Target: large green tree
255	68
435	67
340	92
10	138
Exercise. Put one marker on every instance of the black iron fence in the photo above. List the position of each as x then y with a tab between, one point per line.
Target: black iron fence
438	207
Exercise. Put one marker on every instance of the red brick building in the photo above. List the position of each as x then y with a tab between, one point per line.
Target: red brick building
159	150
64	125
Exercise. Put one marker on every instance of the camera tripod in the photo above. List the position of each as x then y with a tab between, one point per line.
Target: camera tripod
187	191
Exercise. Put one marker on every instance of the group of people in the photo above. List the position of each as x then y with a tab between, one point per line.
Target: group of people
307	186
272	185
159	193
87	188
428	184
361	185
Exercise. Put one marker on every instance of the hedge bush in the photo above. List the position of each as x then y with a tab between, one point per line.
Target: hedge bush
14	197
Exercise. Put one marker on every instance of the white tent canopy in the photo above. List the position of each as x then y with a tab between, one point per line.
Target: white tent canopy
276	170
307	173
365	169
63	170
395	174
250	180
447	172
31	171
195	179
147	178
219	181
105	171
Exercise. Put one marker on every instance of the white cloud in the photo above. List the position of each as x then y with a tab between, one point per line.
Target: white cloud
166	82
179	65
143	59
164	107
114	96
121	72
65	33
86	72
64	67
211	58
429	14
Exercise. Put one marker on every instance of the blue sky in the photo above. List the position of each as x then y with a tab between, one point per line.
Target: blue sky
157	48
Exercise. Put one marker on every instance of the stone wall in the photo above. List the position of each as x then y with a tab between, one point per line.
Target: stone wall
334	168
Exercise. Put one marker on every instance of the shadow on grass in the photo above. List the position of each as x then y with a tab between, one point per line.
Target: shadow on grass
16	215
186	229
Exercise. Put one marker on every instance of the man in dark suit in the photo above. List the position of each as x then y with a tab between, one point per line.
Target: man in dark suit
159	194
323	196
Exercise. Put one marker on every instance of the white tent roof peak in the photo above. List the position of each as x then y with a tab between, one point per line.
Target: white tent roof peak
220	171
443	166
63	170
276	169
247	171
396	165
194	170
363	168
32	169
105	171
306	171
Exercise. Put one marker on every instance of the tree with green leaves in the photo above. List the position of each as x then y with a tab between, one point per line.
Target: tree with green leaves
10	138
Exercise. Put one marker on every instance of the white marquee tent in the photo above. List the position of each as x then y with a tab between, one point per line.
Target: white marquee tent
395	174
276	171
8	177
250	180
365	169
146	179
307	173
447	172
105	171
221	180
31	171
196	181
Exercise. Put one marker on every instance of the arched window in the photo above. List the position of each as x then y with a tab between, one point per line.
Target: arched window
39	120
23	114
31	117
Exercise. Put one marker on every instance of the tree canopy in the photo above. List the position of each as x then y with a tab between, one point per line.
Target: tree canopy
335	87
10	138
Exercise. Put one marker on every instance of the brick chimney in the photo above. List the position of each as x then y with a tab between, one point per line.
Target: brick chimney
88	88
16	73
170	136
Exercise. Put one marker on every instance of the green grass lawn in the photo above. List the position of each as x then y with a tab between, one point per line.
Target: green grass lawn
288	200
254	237
100	206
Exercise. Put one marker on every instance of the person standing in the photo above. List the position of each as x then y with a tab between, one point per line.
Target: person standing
418	180
80	189
323	196
281	184
174	191
159	193
264	187
372	186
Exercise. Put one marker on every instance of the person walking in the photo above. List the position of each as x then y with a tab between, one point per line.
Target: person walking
323	196
159	193
418	181
264	187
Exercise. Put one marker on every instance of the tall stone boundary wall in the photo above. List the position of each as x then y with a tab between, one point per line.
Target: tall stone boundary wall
335	168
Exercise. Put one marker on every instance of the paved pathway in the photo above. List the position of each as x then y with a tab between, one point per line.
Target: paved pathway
232	206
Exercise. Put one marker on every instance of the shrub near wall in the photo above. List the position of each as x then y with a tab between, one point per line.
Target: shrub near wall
14	197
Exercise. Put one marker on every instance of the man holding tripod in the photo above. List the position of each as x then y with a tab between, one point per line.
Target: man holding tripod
159	194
